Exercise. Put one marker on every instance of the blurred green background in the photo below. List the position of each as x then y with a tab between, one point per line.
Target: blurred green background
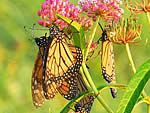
17	59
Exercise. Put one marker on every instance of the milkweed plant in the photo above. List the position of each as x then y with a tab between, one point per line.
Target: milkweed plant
81	20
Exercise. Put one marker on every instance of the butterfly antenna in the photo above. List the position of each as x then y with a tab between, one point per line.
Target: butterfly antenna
31	35
102	31
101	27
33	30
27	32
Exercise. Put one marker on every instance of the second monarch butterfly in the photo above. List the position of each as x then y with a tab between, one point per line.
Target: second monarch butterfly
37	73
107	61
85	104
60	64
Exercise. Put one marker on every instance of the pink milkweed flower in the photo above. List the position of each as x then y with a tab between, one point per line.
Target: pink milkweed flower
109	10
50	8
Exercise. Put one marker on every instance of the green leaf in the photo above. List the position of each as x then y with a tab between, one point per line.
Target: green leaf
78	33
78	98
134	88
111	85
73	102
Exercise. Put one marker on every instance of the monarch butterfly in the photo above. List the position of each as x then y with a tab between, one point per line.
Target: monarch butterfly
55	68
85	104
107	60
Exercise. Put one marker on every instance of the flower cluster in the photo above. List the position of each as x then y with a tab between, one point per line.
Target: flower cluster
138	7
85	23
125	31
51	8
109	10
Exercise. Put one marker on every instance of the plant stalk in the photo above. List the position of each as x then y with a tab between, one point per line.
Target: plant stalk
132	64
87	74
148	17
84	78
91	39
148	108
102	102
130	57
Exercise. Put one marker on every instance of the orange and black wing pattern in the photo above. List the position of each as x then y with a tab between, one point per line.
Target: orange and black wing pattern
68	88
107	61
38	71
85	104
36	82
108	64
59	64
63	62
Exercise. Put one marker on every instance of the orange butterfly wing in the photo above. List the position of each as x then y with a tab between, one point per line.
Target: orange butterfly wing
68	88
36	82
63	62
85	104
107	62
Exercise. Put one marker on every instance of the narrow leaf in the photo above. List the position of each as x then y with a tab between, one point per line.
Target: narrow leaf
111	85
78	98
134	88
73	102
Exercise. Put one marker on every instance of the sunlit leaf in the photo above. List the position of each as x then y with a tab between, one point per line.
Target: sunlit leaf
111	85
134	88
73	102
78	98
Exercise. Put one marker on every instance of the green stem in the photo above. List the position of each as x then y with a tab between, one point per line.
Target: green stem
130	57
84	78
102	102
91	39
88	77
132	64
148	17
148	108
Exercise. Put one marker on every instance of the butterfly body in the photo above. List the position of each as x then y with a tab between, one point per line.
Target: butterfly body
107	61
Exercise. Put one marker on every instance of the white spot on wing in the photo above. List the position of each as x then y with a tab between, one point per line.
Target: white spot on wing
36	91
